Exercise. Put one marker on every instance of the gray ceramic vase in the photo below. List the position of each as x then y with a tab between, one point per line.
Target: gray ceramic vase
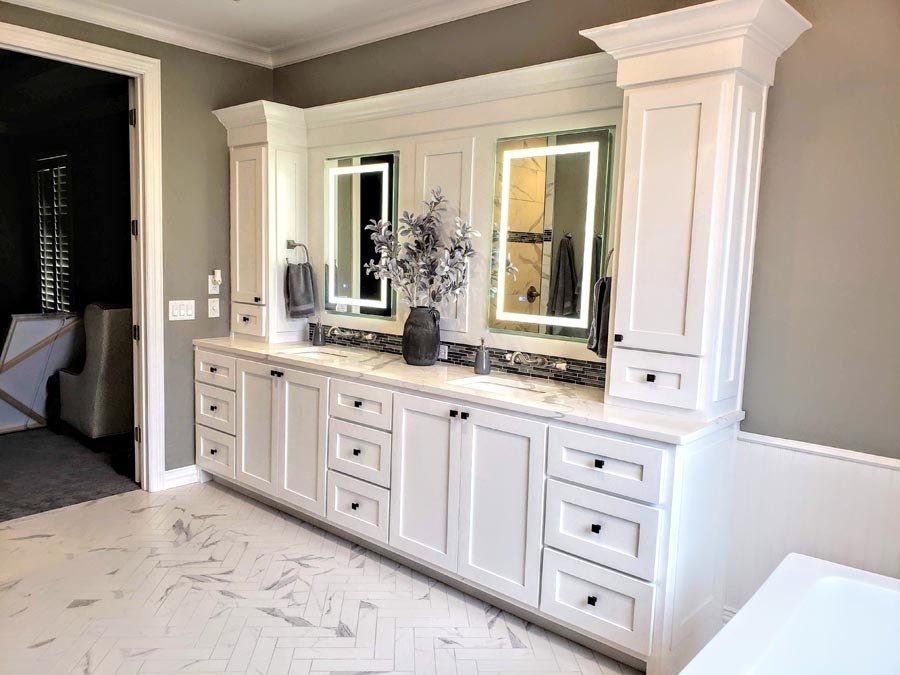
422	336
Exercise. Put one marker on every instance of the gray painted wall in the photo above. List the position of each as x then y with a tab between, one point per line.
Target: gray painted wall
824	345
195	190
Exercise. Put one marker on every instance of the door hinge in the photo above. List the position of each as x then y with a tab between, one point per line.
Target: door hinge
132	117
136	332
137	434
134	227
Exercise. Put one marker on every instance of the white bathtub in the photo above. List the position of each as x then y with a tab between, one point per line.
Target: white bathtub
810	617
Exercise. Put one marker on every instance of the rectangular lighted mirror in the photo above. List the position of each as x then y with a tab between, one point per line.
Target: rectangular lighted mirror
358	191
550	231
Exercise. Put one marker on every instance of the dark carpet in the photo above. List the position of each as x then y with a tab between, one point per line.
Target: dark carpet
42	470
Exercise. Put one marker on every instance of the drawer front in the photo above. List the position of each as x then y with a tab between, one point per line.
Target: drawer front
360	403
614	607
214	407
607	463
358	506
215	369
604	529
360	451
215	451
667	379
248	319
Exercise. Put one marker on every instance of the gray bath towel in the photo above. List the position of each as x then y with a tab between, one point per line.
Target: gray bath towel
300	290
598	337
564	281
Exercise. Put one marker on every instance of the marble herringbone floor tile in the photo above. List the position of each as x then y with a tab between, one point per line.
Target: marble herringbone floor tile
203	580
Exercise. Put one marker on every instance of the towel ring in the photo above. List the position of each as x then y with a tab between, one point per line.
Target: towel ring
291	245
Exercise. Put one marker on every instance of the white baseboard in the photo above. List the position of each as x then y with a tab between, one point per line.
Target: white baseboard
183	476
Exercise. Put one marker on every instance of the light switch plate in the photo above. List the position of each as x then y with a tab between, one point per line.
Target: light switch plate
181	310
213	287
213	308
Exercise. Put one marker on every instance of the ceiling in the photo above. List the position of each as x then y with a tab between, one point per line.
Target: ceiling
268	32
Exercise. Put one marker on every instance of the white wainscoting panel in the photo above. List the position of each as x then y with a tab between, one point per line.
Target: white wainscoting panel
835	504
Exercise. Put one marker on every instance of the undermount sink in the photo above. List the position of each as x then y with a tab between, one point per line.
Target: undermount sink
315	353
496	384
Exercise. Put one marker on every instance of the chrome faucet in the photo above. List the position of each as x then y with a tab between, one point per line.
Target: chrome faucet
337	331
523	359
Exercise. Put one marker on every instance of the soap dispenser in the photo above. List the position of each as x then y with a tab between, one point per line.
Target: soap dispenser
482	360
318	338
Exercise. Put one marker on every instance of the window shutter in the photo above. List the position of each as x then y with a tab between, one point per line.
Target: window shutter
54	230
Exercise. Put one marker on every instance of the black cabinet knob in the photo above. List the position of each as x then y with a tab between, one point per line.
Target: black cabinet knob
272	373
245	319
357	451
592	600
599	463
213	408
357	404
278	373
651	377
618	337
465	415
256	299
595	528
213	451
454	413
354	505
213	369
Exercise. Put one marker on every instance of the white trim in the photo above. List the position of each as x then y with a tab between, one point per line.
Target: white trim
347	37
728	614
821	450
580	71
146	72
183	476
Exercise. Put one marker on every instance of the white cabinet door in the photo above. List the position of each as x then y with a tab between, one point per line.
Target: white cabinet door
425	480
255	463
665	216
301	418
248	224
501	503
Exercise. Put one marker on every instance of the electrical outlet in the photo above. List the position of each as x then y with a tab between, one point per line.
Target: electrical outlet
213	285
442	354
181	310
213	308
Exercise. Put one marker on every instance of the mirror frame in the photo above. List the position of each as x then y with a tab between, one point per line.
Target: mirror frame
333	172
592	148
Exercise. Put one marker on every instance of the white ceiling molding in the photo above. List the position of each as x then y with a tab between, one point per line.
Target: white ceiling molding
270	56
401	24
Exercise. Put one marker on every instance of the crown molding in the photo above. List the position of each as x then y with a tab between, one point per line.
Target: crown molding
135	23
263	122
391	26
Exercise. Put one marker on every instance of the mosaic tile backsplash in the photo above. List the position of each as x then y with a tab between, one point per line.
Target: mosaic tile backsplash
589	373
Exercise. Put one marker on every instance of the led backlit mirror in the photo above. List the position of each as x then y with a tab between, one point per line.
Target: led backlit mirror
550	215
358	190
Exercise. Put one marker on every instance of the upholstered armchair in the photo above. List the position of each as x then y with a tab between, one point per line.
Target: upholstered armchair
98	401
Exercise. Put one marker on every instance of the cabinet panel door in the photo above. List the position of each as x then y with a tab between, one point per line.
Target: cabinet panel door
501	503
255	465
667	215
302	422
425	480
248	224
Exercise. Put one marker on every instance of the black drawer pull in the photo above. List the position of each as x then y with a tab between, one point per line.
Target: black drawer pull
213	408
599	463
465	415
272	373
213	369
245	319
595	528
354	505
618	337
278	373
213	451
357	451
256	299
454	413
357	404
651	377
592	600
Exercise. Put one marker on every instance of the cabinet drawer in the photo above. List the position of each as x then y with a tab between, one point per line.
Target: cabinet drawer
613	606
212	368
667	379
358	506
214	407
607	463
248	319
215	451
360	403
360	451
603	529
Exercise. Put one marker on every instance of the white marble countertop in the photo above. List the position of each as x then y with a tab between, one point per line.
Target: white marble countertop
559	401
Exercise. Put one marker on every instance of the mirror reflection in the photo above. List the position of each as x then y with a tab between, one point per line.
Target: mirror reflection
550	214
358	190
